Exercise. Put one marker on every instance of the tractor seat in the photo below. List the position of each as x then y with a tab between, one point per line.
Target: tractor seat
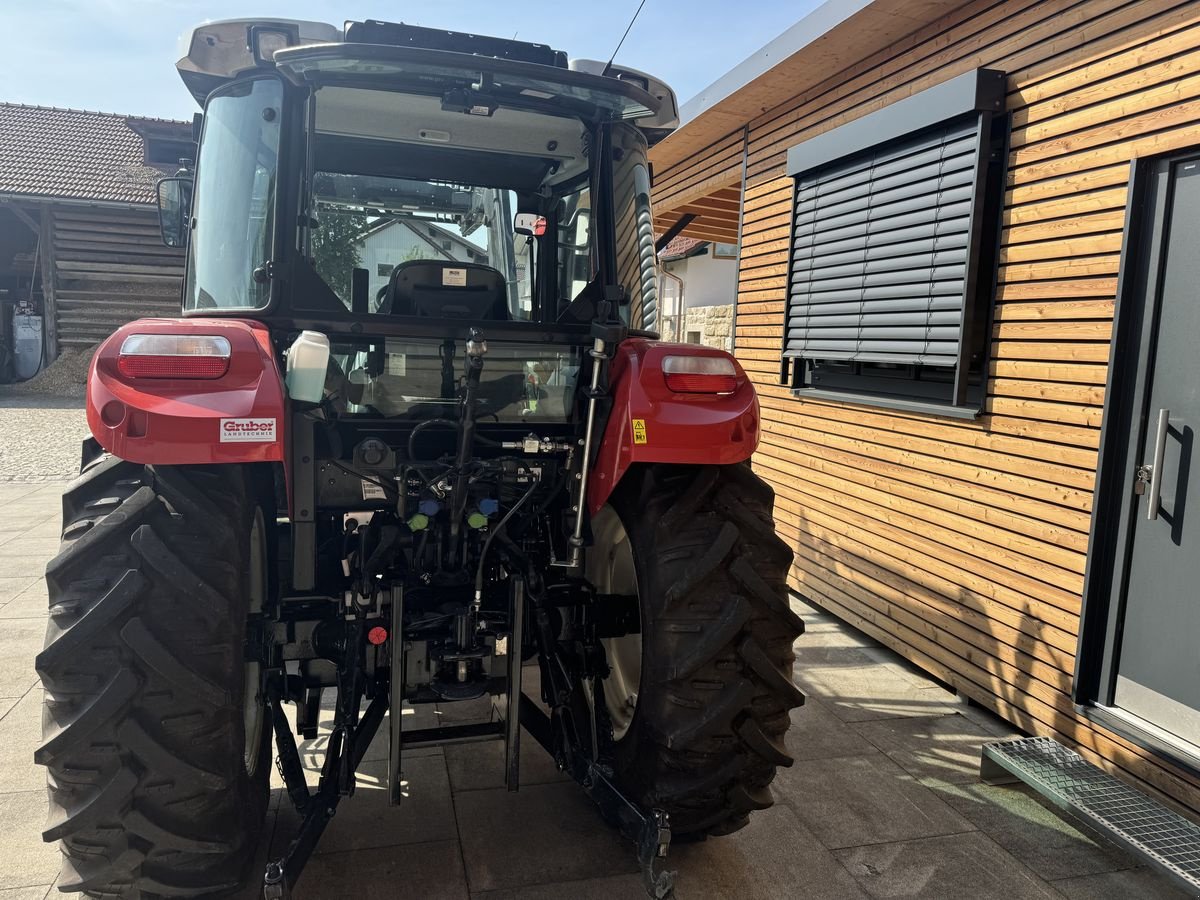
444	289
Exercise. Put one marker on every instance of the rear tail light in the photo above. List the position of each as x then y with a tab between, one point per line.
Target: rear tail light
173	356
700	374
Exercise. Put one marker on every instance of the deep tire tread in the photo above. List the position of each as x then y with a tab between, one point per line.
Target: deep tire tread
142	728
717	638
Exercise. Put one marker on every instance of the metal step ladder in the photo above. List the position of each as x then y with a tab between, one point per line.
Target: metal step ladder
1141	825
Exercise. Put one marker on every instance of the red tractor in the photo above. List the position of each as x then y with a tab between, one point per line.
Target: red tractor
413	440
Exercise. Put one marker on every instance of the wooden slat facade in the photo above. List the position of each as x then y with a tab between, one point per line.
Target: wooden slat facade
110	266
962	544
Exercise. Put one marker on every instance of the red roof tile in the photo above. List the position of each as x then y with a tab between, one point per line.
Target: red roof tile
680	246
50	152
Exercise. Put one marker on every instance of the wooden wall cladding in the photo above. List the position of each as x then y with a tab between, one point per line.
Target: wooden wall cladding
110	267
962	545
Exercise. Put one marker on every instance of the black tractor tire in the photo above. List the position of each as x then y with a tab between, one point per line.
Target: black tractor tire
151	791
717	632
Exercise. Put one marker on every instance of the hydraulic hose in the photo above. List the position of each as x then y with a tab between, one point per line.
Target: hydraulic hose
534	481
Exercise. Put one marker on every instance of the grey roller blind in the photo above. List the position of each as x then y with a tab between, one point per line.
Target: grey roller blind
881	239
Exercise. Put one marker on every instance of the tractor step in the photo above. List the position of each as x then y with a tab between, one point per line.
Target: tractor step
1140	824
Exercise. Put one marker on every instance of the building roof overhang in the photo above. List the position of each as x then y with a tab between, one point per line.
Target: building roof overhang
832	37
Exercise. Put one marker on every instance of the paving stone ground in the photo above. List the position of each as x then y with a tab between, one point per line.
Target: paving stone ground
883	801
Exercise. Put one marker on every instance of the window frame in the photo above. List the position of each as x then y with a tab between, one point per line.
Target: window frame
274	244
923	388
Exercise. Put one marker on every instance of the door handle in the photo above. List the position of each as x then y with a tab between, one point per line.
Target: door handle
1156	464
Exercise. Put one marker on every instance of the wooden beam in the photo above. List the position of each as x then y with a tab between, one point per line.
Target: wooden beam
711	234
49	299
706	209
26	218
730	176
669	235
715	203
697	225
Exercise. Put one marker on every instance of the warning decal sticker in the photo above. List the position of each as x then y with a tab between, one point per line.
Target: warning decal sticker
247	430
454	277
639	430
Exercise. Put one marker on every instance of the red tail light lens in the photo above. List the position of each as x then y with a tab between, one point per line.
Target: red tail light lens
173	356
700	374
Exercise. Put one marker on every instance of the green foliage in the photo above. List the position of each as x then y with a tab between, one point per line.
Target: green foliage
336	247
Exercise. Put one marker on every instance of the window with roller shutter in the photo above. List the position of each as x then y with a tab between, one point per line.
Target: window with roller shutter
892	264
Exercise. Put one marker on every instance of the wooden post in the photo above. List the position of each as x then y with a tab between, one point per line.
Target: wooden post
49	301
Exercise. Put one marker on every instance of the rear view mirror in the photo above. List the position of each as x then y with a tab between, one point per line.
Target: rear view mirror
577	229
529	224
174	210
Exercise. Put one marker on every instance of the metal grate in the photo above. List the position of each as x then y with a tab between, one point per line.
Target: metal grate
1140	824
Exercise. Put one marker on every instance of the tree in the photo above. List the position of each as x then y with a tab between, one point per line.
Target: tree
336	247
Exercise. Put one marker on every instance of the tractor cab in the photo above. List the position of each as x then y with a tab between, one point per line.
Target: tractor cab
388	172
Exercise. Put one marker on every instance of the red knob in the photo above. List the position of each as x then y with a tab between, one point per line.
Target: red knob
377	635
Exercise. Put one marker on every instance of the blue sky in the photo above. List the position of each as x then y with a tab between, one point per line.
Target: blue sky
119	55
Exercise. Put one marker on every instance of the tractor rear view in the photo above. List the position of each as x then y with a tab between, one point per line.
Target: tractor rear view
414	441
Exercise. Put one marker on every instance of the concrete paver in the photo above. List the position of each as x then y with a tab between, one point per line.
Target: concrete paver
21	564
13	585
884	776
817	733
431	871
476	767
613	887
774	856
867	799
20	734
1141	883
543	833
1033	831
959	865
26	861
858	688
366	821
943	748
31	603
38	892
20	641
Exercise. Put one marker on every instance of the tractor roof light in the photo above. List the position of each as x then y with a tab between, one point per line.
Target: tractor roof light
173	356
266	39
700	374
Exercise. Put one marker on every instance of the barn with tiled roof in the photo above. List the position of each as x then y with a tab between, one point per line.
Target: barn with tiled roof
79	244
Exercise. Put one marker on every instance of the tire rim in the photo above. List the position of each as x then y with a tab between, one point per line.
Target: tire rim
252	702
610	568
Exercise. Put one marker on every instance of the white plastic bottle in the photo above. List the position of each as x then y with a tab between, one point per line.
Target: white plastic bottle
307	362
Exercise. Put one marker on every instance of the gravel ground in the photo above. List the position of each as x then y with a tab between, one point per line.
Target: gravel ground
40	437
65	377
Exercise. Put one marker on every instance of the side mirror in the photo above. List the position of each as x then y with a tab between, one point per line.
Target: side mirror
174	210
529	224
577	228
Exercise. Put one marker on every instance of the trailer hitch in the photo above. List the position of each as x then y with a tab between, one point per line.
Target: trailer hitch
650	830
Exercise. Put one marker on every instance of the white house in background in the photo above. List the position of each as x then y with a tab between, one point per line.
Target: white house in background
697	287
390	243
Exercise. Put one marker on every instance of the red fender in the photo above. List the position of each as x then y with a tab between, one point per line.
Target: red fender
651	423
237	418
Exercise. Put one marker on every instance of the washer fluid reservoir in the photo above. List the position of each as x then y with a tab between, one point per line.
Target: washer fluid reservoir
307	363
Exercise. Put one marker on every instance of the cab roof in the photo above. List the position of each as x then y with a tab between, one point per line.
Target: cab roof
398	56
